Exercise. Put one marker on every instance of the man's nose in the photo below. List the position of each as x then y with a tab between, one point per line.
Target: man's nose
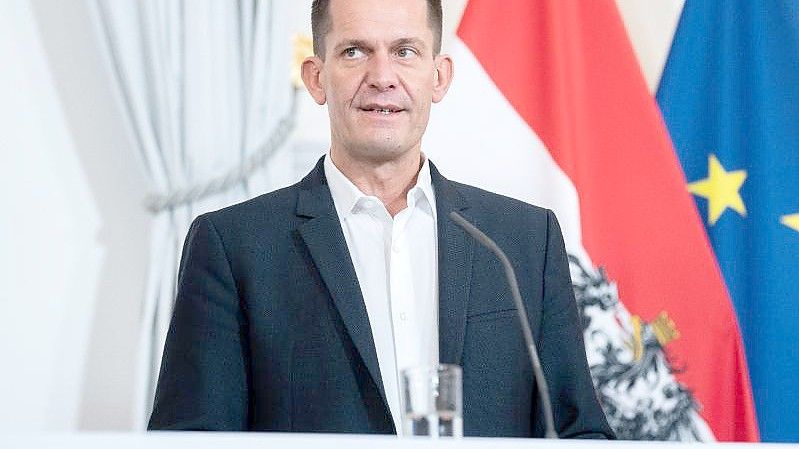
381	74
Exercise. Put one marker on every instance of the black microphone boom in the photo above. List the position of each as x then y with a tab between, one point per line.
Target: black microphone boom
540	381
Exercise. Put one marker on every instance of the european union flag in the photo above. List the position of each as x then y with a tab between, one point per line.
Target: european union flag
730	99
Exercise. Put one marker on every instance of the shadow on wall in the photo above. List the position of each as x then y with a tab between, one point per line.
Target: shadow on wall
107	157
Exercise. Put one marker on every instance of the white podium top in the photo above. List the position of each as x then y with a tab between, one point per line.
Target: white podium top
217	440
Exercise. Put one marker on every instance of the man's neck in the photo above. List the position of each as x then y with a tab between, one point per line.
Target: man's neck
388	180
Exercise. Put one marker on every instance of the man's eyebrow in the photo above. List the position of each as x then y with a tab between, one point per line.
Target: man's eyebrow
409	41
360	43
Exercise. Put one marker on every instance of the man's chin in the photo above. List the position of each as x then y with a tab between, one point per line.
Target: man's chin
381	150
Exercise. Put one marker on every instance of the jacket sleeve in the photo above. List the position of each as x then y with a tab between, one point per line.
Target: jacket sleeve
203	383
576	409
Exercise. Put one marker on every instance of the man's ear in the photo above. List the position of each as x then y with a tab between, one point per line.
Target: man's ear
312	78
443	76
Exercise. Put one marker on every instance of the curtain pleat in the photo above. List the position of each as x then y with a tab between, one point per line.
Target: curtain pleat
203	86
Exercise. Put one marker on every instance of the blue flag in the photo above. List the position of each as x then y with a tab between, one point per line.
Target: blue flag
730	98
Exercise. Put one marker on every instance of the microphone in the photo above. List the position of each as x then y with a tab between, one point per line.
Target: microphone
540	381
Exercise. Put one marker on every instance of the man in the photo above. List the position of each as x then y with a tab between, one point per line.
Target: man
297	310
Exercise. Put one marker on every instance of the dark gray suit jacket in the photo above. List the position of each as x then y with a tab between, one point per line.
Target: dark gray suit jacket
270	331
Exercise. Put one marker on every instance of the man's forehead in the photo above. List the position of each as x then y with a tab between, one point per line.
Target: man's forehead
349	15
389	6
373	25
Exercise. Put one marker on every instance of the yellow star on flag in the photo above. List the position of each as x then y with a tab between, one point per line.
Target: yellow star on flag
792	221
721	189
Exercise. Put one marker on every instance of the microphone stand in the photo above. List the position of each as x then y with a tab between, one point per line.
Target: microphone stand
540	381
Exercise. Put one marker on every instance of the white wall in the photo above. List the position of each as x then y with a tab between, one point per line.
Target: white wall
47	228
651	26
103	148
73	234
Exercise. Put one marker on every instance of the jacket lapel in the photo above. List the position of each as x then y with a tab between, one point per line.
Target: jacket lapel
454	269
324	238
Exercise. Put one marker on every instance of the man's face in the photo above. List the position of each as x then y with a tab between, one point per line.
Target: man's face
379	76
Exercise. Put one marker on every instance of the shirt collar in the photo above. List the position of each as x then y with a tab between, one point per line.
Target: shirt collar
347	195
424	183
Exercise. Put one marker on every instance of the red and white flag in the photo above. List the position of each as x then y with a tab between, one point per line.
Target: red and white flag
549	106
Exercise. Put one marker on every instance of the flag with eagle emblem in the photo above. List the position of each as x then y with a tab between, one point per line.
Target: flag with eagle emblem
549	106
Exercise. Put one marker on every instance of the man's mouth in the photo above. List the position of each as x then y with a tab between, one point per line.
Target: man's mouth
382	110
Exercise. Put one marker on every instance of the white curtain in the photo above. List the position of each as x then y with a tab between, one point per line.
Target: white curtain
206	86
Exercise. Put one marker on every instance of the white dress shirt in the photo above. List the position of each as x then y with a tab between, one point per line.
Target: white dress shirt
396	261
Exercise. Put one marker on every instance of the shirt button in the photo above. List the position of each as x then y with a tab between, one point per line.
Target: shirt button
395	248
403	316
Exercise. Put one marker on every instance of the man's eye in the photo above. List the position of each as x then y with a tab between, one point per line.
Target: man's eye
352	52
406	52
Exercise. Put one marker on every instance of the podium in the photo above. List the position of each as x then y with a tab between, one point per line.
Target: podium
242	440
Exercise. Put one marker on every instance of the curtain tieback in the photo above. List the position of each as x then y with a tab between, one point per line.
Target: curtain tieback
156	203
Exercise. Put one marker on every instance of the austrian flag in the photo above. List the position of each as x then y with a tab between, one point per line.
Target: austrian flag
549	106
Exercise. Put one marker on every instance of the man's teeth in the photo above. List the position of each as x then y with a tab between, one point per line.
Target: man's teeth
383	111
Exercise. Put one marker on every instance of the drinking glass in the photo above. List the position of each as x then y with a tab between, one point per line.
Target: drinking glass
433	401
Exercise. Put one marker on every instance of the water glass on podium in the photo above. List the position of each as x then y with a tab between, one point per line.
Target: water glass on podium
432	401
